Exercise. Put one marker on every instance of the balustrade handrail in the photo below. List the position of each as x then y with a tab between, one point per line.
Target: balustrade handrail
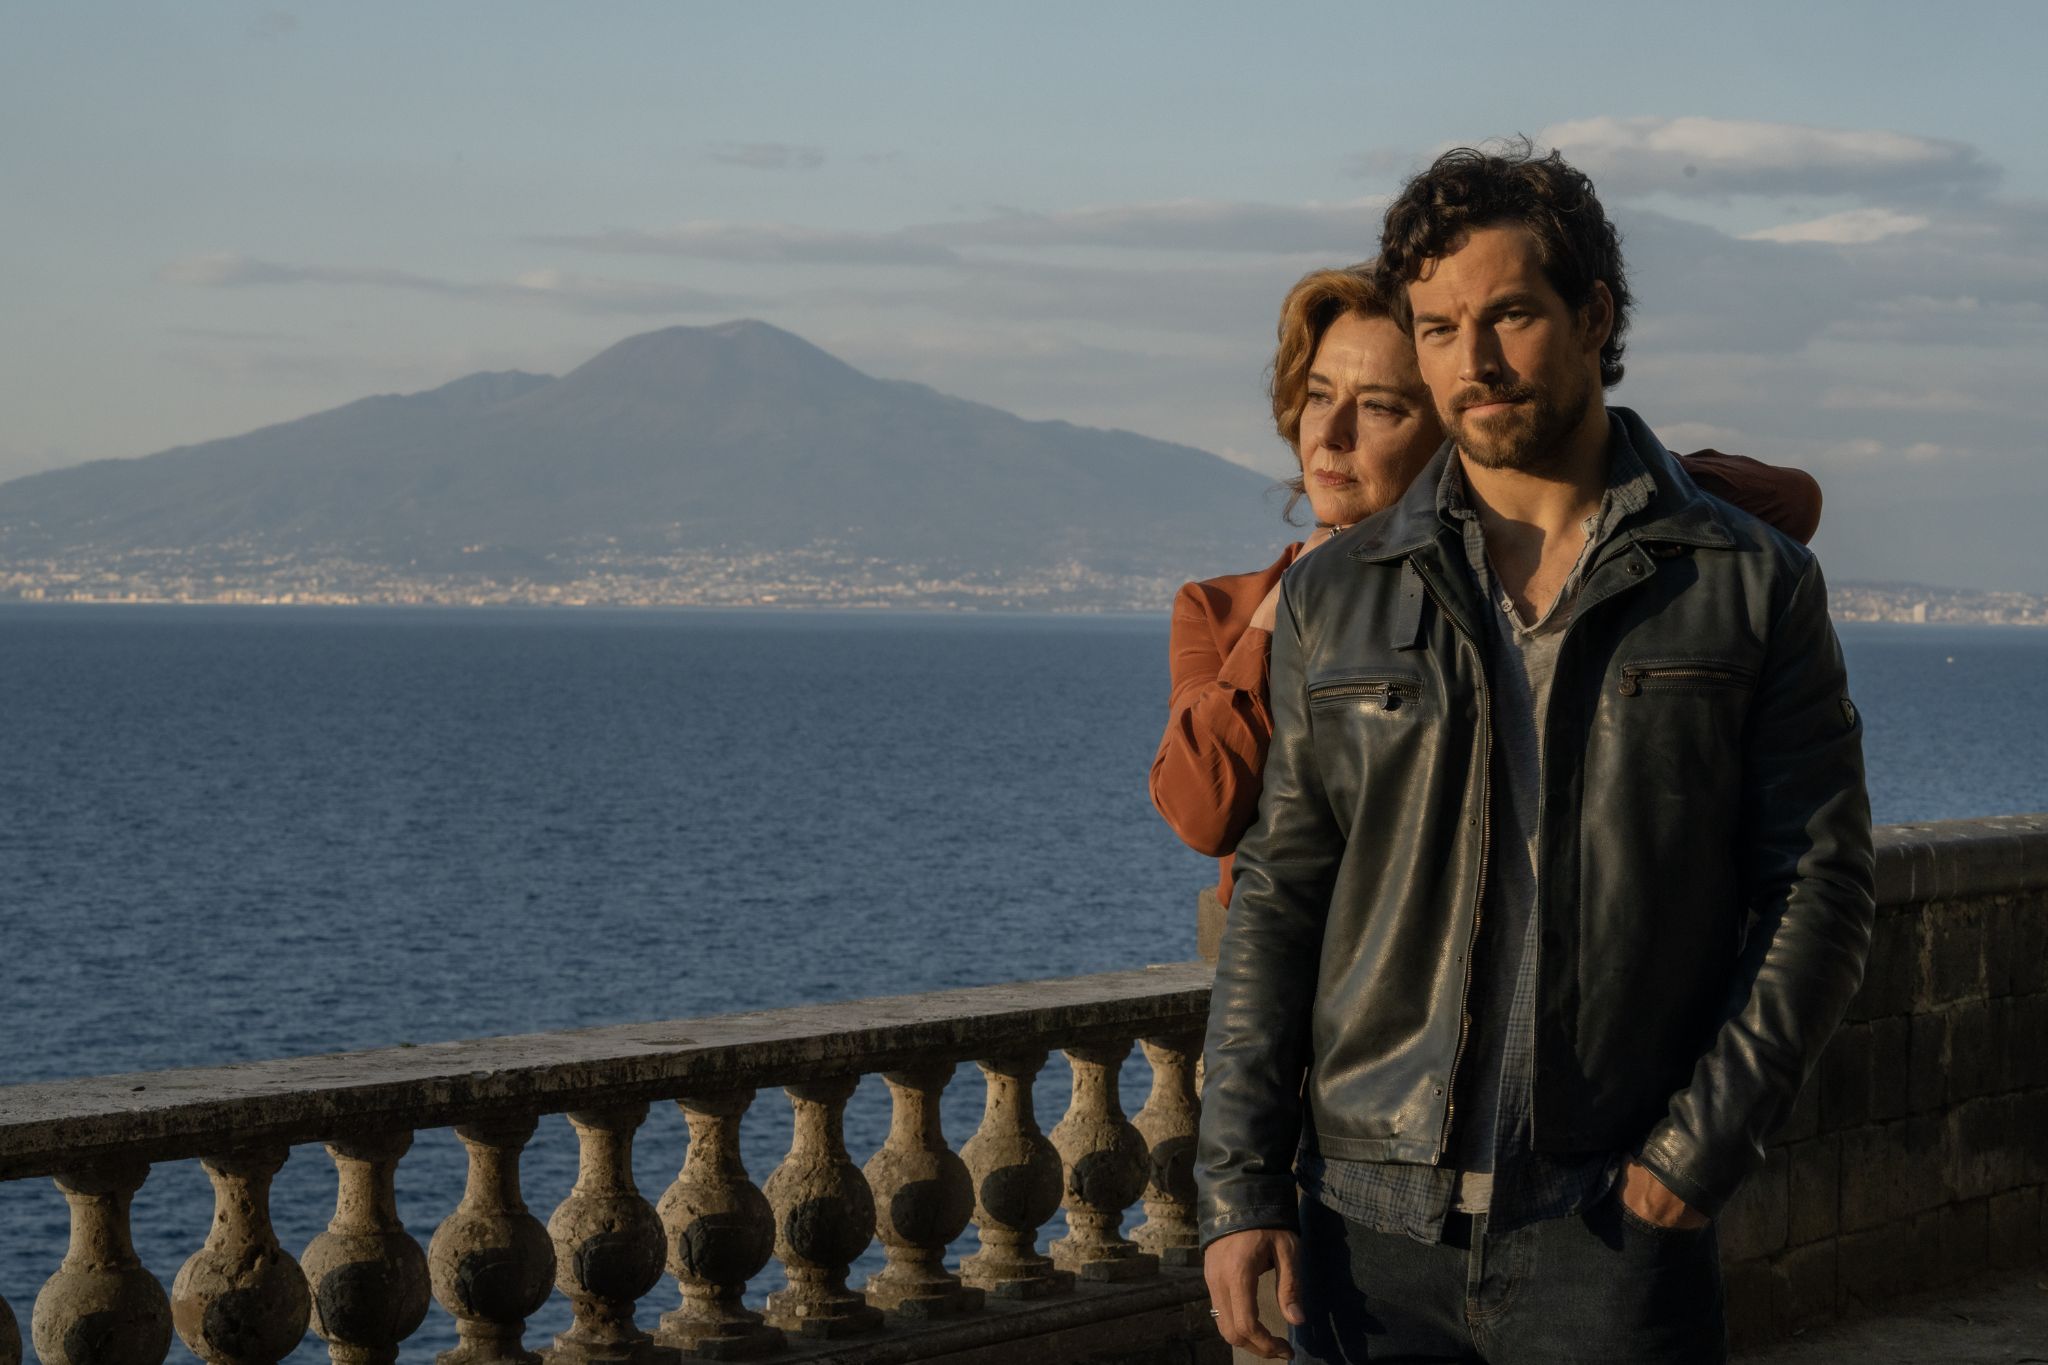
47	1127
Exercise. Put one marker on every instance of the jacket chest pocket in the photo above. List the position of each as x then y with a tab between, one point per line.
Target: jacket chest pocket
1368	692
1641	676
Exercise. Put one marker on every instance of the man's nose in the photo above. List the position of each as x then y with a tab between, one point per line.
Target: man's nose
1479	360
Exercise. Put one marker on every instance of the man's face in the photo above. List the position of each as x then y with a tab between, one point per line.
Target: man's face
1367	427
1512	367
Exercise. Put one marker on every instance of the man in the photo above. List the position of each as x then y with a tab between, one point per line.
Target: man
1562	873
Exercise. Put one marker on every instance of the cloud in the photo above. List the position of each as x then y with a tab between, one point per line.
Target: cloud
1851	227
763	244
1346	231
587	293
1957	320
1711	156
1342	232
767	156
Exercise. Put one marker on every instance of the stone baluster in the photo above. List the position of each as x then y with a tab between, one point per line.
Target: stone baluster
491	1261
1167	1123
367	1274
10	1336
923	1198
241	1299
721	1231
1016	1176
102	1307
608	1244
1103	1160
824	1218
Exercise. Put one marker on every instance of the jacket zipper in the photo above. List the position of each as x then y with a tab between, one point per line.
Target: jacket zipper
1443	1136
1633	676
1392	692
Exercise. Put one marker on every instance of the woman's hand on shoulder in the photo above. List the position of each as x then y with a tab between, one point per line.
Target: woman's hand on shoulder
1267	613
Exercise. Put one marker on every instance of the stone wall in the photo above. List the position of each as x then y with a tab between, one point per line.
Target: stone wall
1918	1155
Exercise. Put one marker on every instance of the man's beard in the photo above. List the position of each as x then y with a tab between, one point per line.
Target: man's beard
1528	437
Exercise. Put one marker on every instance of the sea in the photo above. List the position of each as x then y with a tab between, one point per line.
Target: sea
230	833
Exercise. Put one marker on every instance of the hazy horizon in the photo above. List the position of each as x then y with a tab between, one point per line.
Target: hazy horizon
240	217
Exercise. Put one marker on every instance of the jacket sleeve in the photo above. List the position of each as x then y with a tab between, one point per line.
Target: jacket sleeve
1787	498
1808	864
1205	777
1258	1039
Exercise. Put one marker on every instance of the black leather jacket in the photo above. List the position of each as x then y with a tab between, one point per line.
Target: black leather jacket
1704	869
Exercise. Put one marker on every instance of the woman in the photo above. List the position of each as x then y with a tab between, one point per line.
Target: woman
1348	398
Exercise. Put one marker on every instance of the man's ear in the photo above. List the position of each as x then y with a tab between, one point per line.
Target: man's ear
1597	316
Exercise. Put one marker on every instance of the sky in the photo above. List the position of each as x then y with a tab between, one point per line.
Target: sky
1836	214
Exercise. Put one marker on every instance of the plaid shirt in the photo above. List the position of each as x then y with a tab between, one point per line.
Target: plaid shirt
1527	1185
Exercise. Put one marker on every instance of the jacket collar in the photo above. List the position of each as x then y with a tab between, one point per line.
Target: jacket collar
1678	513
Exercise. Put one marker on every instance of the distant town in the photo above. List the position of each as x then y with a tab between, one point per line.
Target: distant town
814	576
817	576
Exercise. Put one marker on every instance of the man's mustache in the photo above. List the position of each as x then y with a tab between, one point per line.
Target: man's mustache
1475	395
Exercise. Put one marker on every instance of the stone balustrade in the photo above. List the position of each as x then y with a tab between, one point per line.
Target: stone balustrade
364	1285
1918	1156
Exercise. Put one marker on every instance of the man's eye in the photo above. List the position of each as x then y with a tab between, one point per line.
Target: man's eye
1436	333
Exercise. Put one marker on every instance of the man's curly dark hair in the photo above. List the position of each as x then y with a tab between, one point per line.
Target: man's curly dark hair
1469	188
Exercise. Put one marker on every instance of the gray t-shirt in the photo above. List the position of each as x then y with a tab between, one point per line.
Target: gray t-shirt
1492	1122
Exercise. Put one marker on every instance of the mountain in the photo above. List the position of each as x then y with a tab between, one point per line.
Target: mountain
739	438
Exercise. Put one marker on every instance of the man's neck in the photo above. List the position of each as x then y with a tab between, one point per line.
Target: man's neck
1535	521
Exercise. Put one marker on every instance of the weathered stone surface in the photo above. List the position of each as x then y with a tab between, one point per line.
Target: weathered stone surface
824	1218
1103	1169
1803	1286
1754	1224
1969	1047
1965	1239
10	1336
1168	1123
1751	1316
102	1307
165	1115
923	1199
1891	1067
720	1231
1927	1062
1954	954
1815	1190
1845	1080
608	1244
1891	971
241	1299
367	1275
1016	1177
2015	1219
491	1261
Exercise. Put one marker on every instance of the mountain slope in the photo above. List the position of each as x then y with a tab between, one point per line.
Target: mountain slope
739	435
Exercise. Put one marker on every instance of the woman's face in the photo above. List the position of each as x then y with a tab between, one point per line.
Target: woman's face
1367	425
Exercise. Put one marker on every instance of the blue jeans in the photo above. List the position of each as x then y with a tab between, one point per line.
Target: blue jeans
1597	1288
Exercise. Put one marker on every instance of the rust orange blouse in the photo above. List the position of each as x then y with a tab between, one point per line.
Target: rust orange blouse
1206	776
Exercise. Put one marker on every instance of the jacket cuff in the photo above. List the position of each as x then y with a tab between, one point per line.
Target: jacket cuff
1286	1217
1245	667
1680	1181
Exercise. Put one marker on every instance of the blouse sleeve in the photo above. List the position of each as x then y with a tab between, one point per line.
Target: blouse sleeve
1787	498
1205	778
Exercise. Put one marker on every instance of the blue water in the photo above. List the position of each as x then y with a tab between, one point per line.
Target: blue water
229	833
